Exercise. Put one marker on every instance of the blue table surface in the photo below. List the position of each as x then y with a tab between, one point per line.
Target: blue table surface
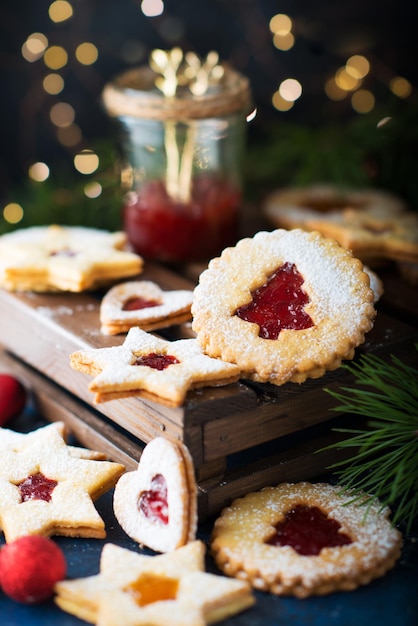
392	599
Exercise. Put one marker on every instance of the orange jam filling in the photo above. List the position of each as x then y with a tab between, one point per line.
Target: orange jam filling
278	304
149	588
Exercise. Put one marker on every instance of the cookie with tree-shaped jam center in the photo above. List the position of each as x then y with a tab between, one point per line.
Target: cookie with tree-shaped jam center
283	305
305	539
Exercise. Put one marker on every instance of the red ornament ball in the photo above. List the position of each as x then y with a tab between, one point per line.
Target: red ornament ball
29	568
12	397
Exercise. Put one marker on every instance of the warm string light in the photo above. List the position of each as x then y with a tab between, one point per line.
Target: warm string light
61	114
347	81
152	8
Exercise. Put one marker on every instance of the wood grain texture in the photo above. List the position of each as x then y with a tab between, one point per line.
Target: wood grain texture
40	331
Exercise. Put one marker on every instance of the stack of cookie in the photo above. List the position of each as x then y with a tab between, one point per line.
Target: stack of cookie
377	226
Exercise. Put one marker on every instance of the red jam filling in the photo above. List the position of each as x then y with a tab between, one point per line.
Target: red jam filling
307	530
37	487
149	588
157	361
136	303
163	228
278	304
153	503
63	252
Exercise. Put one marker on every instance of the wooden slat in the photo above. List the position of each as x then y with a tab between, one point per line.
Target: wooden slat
55	405
40	331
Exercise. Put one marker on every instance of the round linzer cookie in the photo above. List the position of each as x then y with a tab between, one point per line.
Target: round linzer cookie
143	303
283	306
156	504
375	225
304	539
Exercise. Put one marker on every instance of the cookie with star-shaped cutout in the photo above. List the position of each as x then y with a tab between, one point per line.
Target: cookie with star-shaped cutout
12	440
46	490
284	306
64	258
132	589
144	304
156	504
153	368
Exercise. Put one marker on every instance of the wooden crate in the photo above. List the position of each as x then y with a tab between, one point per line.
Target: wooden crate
241	437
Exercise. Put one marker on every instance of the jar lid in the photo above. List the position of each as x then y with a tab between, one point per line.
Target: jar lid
133	93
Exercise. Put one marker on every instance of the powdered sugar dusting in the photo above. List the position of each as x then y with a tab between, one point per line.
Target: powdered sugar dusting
241	532
115	368
341	305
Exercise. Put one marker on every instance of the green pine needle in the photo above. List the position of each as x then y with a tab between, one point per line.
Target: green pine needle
384	462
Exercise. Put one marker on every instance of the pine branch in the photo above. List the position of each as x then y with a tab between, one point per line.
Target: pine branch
384	462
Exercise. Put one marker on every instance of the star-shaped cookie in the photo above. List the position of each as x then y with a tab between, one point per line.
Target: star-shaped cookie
46	490
153	368
143	303
64	258
133	590
12	440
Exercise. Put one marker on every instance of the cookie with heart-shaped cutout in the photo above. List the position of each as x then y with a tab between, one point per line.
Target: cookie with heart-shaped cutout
143	303
156	504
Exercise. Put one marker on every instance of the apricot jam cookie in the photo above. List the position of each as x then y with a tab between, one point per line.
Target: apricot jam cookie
174	588
143	304
284	306
304	539
156	505
46	490
374	225
64	258
149	367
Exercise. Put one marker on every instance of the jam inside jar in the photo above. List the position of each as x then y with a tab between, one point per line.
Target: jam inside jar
181	160
163	228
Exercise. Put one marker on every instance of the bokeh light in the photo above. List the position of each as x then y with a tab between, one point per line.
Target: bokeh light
363	101
280	24
69	136
53	84
86	162
400	87
152	8
290	89
60	11
55	57
34	47
357	66
62	114
280	103
13	213
346	81
284	42
333	91
86	53
93	189
39	172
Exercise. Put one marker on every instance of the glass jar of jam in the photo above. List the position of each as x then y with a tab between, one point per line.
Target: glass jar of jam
182	133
